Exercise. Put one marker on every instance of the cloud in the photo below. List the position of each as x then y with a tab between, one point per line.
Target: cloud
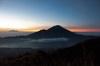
34	43
49	40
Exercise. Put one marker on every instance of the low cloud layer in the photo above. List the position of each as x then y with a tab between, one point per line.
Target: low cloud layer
34	43
48	40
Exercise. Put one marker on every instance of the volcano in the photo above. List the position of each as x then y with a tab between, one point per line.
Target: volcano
54	32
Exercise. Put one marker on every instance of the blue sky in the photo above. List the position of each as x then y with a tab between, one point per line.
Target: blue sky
69	13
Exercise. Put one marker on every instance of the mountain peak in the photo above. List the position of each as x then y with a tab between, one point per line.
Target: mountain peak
53	32
57	27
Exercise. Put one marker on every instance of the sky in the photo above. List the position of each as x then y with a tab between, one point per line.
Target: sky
34	15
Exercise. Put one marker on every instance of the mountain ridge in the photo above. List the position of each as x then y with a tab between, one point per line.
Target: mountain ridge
55	31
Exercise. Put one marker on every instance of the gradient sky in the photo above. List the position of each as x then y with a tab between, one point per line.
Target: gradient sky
33	15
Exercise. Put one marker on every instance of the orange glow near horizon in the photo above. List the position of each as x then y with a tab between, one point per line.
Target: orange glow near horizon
84	30
30	29
35	29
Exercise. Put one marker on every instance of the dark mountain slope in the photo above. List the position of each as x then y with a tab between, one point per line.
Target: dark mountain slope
5	52
86	53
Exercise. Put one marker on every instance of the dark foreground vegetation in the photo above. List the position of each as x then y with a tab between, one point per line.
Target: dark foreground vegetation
86	53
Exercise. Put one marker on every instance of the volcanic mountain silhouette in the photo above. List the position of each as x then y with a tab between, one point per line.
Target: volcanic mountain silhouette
54	32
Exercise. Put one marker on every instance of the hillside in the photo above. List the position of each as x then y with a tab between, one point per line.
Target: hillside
83	54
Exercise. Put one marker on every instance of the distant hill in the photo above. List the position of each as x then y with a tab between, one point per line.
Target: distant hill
86	53
13	31
54	32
